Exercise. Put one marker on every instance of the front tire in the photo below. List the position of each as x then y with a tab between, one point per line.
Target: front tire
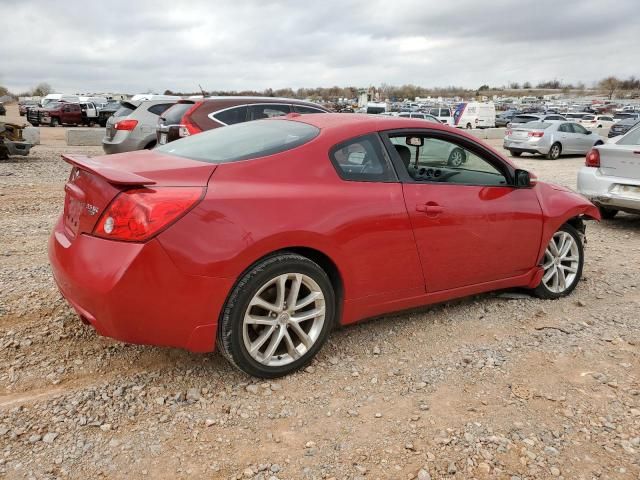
513	153
457	157
554	151
277	317
562	264
54	122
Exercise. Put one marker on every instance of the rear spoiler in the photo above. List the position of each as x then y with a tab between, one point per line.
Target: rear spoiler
111	175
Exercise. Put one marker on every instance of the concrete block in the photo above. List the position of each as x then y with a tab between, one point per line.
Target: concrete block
31	135
85	137
494	133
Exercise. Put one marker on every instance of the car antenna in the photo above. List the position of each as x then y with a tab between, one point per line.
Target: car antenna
202	90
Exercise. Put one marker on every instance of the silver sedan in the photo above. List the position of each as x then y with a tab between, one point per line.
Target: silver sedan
550	138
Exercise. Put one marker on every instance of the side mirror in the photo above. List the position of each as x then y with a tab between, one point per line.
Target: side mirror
589	132
525	179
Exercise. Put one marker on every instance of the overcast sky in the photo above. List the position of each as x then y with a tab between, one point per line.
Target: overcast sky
139	45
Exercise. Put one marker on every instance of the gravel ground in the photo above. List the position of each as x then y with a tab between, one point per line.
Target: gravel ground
492	386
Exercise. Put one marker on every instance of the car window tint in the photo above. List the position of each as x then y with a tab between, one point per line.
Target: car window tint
565	128
443	161
159	108
578	128
123	112
232	116
173	115
258	112
361	159
305	109
243	141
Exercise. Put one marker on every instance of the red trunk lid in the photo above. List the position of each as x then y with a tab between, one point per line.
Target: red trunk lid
94	182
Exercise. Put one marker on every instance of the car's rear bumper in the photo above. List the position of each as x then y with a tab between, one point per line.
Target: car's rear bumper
525	146
607	191
134	292
123	141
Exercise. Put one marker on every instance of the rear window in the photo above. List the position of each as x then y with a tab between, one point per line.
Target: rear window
242	141
538	125
159	109
523	119
173	115
123	111
589	117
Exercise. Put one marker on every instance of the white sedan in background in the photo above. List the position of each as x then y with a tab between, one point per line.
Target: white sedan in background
611	175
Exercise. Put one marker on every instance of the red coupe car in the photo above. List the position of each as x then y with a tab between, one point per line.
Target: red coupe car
263	236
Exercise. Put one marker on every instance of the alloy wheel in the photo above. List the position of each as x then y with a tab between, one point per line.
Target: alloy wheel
561	262
456	158
284	319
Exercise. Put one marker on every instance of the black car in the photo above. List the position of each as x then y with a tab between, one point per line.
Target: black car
623	126
505	118
108	110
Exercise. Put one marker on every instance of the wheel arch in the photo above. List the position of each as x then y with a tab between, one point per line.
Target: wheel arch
325	261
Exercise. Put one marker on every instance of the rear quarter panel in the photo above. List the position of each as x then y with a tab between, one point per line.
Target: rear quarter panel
255	207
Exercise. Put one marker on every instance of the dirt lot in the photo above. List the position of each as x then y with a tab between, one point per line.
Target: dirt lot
493	386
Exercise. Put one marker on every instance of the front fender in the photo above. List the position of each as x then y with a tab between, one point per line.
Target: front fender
559	205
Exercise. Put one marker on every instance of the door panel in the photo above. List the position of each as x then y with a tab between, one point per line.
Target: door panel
472	234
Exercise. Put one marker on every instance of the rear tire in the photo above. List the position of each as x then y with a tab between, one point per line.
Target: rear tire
607	213
150	145
562	263
514	153
259	330
554	151
54	122
469	127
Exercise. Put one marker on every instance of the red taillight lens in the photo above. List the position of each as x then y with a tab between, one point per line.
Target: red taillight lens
191	128
593	158
536	134
126	124
138	214
508	132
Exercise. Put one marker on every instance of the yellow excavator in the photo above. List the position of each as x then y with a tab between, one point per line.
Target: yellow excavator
11	141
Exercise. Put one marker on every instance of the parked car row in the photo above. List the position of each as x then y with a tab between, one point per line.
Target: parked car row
143	125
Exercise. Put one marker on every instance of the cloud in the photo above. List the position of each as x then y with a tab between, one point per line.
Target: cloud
124	46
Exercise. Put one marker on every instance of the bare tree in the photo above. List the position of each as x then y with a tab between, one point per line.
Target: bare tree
42	90
609	85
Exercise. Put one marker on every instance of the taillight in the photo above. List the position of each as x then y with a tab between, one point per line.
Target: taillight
190	128
126	124
138	214
593	158
536	134
508	132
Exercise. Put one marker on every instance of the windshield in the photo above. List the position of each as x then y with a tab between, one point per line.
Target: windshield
242	141
375	109
173	115
53	104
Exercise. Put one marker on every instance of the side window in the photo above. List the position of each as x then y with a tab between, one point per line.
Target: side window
565	128
159	108
606	119
362	160
442	161
578	128
257	112
417	115
305	109
232	116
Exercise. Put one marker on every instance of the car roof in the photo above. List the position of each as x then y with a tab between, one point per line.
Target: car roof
254	99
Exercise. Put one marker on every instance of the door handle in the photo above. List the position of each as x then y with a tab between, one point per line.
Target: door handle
430	208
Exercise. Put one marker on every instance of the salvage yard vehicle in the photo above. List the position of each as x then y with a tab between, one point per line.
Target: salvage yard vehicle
106	111
611	175
263	236
133	126
443	114
12	142
622	127
596	121
25	105
550	138
189	117
475	115
62	113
